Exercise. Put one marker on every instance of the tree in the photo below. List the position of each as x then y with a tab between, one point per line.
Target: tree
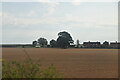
62	42
64	39
53	43
42	42
105	44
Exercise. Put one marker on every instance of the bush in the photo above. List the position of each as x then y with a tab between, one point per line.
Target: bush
27	69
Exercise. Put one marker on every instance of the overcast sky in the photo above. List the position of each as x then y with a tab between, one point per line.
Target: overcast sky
24	22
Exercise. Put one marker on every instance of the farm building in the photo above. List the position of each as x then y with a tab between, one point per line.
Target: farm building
115	45
92	44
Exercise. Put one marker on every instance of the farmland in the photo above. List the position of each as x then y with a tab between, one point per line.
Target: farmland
73	63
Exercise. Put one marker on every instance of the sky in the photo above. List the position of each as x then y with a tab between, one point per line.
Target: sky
23	22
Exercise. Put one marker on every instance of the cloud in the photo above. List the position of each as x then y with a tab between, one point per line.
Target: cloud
51	8
69	20
79	23
76	2
32	13
75	18
8	18
0	19
0	14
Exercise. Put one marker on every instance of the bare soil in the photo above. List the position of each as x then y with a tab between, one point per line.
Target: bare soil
73	63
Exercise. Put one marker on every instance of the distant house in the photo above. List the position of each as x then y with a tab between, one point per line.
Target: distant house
37	45
72	45
115	45
92	44
81	46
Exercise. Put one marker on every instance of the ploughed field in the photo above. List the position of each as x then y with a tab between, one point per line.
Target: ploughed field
73	63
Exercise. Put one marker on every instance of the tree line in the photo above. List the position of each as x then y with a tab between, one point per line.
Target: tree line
63	41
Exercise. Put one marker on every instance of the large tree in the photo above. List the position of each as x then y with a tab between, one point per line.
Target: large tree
42	42
64	39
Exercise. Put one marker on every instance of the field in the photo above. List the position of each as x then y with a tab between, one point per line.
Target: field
73	63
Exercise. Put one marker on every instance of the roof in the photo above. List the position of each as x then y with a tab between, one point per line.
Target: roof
91	43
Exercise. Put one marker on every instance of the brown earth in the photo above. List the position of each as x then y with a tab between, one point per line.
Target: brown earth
74	63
